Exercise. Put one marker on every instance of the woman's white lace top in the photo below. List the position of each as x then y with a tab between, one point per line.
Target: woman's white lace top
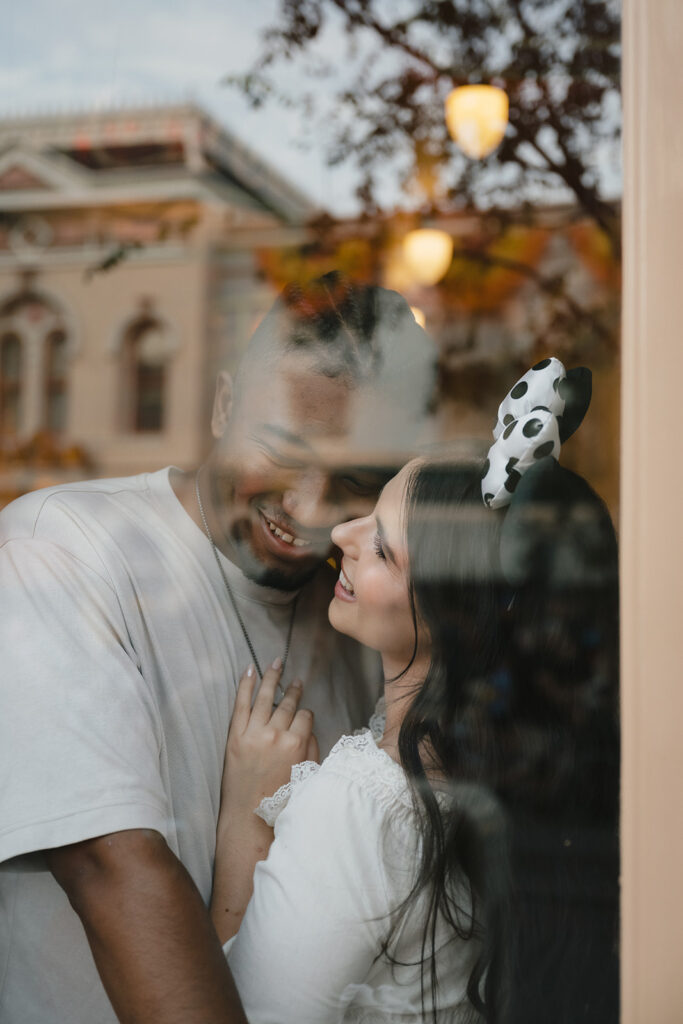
363	739
343	857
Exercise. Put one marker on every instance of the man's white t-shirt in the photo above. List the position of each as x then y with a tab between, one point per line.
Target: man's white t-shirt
120	656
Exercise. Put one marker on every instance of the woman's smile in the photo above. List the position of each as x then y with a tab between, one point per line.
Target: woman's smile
344	588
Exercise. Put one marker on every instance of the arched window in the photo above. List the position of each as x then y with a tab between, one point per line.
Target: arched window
10	383
145	351
56	381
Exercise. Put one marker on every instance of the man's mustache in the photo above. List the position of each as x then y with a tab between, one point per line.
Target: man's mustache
320	537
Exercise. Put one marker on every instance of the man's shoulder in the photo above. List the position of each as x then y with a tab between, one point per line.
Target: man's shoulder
39	513
90	520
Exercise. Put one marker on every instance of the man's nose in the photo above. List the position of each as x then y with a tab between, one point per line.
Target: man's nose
308	500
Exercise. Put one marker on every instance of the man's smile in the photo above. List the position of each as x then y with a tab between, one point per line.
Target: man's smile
283	534
287	539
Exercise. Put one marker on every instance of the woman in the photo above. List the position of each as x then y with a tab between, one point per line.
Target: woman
383	888
384	895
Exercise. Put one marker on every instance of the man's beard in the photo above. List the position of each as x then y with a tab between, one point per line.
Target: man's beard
270	575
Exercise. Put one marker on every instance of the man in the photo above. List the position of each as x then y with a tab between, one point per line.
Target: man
129	609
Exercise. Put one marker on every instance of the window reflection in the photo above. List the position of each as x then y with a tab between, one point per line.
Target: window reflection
10	384
117	213
56	375
144	356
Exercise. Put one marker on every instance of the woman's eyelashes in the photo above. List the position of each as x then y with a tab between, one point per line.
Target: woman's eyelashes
379	550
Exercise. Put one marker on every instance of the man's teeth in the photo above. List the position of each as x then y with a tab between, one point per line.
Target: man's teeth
297	542
344	582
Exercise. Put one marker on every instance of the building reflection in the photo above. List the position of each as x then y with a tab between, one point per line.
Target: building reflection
115	291
139	249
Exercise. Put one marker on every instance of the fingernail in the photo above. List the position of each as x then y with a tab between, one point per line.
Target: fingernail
297	683
250	670
277	664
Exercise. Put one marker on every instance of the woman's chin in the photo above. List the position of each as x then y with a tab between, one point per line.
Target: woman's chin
338	619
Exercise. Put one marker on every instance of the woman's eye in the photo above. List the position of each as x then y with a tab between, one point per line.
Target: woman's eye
379	550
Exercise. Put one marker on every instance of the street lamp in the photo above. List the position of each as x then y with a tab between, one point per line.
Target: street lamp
427	252
476	117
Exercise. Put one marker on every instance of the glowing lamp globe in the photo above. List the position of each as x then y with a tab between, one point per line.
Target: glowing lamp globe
427	252
476	117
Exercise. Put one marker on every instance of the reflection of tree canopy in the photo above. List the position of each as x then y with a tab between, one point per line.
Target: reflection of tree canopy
552	287
558	62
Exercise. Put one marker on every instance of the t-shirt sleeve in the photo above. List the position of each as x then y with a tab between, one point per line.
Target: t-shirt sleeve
319	909
79	735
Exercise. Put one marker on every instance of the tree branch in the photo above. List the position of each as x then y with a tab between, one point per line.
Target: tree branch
389	36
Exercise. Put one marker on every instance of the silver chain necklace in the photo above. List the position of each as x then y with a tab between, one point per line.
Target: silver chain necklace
234	602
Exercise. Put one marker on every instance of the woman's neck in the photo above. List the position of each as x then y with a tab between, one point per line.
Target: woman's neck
398	695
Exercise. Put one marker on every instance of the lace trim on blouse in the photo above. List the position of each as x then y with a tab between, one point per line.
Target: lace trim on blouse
387	781
378	720
270	806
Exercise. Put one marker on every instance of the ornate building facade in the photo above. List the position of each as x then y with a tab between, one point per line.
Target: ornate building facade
120	294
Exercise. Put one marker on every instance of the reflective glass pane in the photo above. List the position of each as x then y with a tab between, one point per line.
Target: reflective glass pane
345	331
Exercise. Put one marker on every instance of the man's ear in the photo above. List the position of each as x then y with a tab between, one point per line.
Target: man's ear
222	404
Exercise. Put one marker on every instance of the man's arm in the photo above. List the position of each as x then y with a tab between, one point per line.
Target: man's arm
151	936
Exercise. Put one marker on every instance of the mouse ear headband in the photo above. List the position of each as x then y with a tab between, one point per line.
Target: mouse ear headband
537	415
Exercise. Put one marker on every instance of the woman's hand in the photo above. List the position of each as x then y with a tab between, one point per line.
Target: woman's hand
263	744
265	741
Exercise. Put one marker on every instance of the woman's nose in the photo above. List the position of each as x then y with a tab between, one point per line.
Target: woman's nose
347	536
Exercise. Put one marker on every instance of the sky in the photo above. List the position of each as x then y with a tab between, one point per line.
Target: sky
85	54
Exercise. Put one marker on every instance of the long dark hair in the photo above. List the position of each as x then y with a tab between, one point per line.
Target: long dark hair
456	592
469	719
558	743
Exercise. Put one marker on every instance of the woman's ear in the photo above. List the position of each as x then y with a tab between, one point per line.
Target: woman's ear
222	404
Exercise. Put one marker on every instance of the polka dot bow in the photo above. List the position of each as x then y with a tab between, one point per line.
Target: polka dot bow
527	429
